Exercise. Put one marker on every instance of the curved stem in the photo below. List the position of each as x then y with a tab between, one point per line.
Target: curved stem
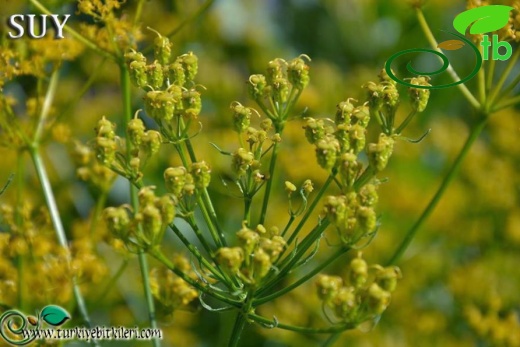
433	43
306	330
474	133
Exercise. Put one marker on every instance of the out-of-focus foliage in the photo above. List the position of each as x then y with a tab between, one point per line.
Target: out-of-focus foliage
460	277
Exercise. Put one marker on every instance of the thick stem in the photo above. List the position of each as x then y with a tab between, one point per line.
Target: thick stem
475	132
240	321
58	227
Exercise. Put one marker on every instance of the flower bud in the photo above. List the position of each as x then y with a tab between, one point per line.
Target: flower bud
379	153
166	206
328	286
118	221
146	196
366	220
419	96
342	134
242	160
289	187
176	74
191	103
151	221
137	71
266	124
247	239
358	271
175	179
349	169
275	70
344	302
357	138
241	117
152	142
375	94
368	195
135	130
132	55
106	150
257	84
189	62
361	115
105	129
162	49
344	111
298	73
201	174
308	186
230	258
335	209
387	278
261	264
155	75
280	90
326	153
314	129
377	299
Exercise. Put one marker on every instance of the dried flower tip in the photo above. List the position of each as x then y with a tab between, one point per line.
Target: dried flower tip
162	48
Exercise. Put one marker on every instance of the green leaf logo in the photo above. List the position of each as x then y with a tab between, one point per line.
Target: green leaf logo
54	315
484	19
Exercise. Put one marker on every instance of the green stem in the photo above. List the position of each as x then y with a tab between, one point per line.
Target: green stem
505	74
332	340
507	103
20	170
269	184
143	262
138	12
47	102
474	133
490	73
305	330
311	208
405	122
481	81
191	221
90	44
157	254
240	321
509	88
58	227
111	284
308	276
433	43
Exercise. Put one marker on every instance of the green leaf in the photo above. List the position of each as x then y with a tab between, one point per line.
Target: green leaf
54	315
484	19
